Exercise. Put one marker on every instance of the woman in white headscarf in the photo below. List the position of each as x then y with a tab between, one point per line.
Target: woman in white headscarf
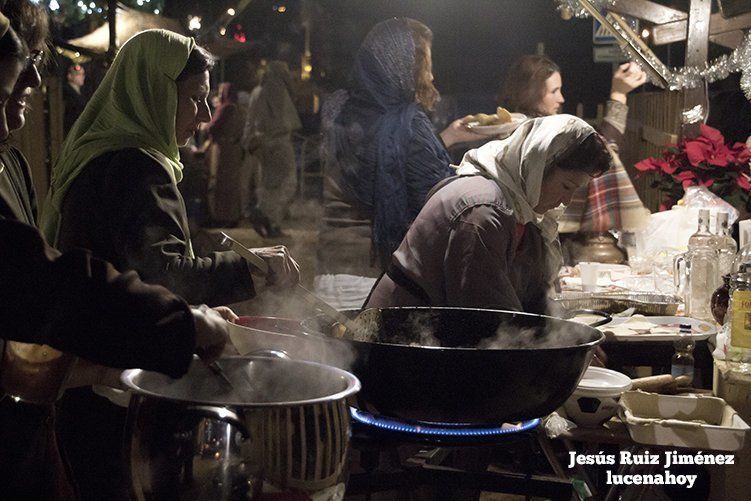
485	238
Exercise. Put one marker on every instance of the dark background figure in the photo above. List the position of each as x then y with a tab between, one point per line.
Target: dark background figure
225	159
272	118
74	95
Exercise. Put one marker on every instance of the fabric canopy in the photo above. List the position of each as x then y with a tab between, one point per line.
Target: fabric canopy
130	21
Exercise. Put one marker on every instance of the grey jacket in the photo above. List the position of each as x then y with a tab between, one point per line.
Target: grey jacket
465	249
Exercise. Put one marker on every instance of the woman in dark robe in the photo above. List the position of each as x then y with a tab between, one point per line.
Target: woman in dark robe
225	158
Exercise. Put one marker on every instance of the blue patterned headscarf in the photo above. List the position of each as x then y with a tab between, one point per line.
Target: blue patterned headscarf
369	130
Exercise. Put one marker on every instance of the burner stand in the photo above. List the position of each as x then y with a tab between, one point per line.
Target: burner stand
392	459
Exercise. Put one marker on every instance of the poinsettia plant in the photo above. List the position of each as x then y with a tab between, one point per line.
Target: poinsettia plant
706	161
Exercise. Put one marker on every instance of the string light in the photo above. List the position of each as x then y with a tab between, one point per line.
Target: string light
194	23
568	8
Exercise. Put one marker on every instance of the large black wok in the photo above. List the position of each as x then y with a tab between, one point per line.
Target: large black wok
487	367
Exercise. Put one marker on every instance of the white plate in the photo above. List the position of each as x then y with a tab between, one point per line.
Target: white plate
488	130
699	329
497	129
600	382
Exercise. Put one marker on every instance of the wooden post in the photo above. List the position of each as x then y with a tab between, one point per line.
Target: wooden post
697	44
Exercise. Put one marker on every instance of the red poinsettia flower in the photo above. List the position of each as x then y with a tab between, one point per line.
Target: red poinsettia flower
712	134
686	178
702	149
739	154
705	161
648	164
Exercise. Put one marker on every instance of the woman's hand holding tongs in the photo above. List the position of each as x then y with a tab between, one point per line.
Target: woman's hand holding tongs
283	270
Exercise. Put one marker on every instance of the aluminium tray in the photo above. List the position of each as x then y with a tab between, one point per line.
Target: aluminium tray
614	302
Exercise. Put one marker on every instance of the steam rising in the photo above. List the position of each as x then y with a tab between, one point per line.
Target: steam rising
254	381
430	328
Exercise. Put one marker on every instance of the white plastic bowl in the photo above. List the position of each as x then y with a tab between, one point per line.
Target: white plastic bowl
595	399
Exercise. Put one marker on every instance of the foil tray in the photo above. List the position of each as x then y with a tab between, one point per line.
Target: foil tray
645	303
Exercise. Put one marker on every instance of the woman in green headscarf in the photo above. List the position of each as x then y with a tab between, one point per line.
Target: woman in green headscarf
114	191
114	187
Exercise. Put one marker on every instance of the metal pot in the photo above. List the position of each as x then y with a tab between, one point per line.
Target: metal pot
485	366
286	430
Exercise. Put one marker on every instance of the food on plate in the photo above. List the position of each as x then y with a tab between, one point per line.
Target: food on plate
500	117
639	324
503	115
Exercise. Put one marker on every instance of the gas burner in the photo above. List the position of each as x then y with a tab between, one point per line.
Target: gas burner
440	432
455	461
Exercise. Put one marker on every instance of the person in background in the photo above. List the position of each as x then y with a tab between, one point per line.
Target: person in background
381	156
17	195
486	239
271	120
114	191
225	159
73	97
12	56
71	303
534	87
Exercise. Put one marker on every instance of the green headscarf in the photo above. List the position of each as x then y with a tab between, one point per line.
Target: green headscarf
134	107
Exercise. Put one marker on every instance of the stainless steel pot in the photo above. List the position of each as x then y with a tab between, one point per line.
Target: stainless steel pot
196	438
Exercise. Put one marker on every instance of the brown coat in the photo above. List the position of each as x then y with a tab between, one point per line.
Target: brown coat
226	164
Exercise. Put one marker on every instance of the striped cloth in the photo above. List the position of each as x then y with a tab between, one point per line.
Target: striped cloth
608	202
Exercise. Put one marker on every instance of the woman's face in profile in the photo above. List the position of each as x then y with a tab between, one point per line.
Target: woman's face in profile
558	186
10	69
192	106
28	80
552	100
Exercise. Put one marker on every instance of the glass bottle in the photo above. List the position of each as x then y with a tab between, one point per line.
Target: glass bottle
682	362
695	272
726	246
738	318
744	254
703	238
720	300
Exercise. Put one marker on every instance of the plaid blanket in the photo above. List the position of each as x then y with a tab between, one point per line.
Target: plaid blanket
608	202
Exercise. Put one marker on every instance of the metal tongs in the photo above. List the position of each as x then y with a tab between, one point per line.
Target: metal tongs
218	371
263	268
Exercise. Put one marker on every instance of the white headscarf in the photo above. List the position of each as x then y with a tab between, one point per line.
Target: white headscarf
518	162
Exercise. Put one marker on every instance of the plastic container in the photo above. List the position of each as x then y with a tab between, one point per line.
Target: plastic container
595	399
694	421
